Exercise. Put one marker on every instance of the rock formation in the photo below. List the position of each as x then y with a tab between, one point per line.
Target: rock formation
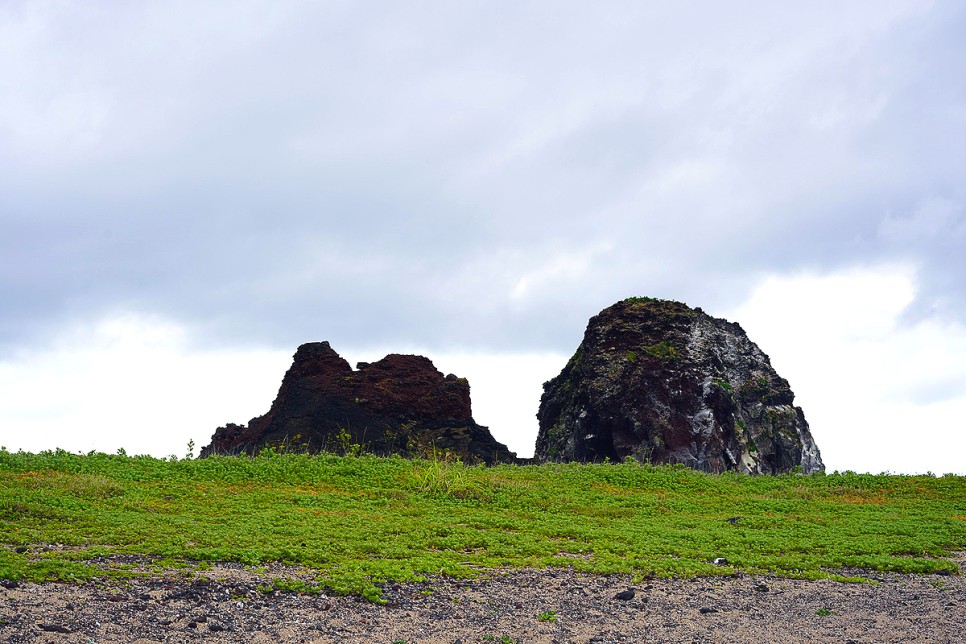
399	405
663	383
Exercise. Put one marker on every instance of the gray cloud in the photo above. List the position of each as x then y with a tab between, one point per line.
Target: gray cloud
472	174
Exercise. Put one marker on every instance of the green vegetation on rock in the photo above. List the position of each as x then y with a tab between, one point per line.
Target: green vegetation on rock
662	350
361	520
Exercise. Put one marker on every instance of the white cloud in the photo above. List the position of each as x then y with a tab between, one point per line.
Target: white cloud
204	158
879	394
131	382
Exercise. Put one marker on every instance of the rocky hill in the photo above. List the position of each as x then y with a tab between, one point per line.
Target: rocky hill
661	382
399	405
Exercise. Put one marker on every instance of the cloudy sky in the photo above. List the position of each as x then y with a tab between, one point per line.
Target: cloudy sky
189	190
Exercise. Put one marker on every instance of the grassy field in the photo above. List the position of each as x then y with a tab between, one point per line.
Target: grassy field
359	521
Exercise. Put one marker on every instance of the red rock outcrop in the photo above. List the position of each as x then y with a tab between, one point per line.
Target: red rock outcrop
399	405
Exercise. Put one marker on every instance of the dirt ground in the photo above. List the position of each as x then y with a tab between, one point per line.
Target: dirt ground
224	605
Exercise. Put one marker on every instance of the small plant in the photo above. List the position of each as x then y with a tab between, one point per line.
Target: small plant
547	616
824	612
446	476
289	585
632	356
191	450
662	351
344	444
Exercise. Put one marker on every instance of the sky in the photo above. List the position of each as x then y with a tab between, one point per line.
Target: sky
190	190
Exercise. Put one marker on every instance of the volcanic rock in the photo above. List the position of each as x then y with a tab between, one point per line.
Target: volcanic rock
660	382
399	405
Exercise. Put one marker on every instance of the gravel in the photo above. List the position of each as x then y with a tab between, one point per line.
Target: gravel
224	604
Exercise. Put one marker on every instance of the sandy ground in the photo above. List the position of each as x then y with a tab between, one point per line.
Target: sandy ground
224	605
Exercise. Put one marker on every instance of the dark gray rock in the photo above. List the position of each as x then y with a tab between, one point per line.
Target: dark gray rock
660	382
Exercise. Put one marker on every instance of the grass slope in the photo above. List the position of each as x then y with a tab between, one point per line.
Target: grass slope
363	520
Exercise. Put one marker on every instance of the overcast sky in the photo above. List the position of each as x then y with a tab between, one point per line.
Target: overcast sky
190	190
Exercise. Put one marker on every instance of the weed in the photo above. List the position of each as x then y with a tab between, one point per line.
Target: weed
547	616
445	476
824	612
344	444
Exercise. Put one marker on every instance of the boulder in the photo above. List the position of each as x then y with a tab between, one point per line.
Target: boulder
660	382
399	405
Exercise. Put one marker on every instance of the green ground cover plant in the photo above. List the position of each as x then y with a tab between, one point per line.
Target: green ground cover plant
359	521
